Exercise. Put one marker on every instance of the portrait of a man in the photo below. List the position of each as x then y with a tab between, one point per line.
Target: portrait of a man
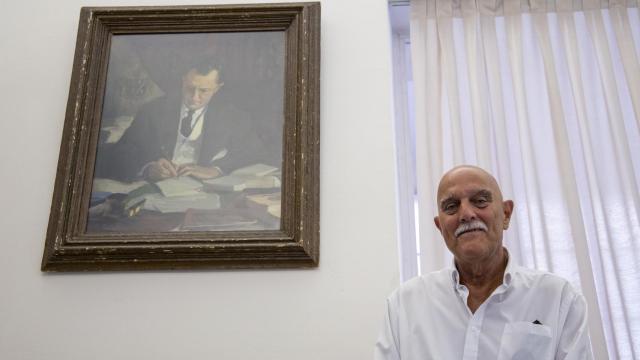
191	134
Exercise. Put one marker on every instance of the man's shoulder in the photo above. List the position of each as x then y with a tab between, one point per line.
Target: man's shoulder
544	281
424	284
220	108
538	275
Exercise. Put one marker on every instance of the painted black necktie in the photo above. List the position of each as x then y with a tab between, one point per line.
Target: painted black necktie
185	124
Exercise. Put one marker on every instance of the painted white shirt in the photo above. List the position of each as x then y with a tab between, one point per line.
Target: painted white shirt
187	148
532	315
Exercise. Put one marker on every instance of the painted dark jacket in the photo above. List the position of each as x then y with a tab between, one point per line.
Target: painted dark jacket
153	134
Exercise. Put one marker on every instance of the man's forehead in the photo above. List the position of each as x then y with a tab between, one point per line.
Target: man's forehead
466	192
465	182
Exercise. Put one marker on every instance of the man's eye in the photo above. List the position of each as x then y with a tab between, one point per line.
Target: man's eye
449	208
482	202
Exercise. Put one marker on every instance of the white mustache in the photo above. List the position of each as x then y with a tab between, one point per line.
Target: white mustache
473	225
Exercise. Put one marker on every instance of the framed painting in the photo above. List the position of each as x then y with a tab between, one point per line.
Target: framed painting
191	140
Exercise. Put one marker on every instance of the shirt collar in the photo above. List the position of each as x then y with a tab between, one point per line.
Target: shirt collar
509	271
184	110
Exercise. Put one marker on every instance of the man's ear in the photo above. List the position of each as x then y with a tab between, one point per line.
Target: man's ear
436	220
507	208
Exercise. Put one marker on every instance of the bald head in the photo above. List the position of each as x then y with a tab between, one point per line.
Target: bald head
461	172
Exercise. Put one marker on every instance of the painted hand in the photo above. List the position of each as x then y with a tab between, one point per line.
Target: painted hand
197	171
160	169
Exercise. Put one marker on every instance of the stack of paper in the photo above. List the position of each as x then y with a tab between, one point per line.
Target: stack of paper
258	176
255	170
267	208
163	204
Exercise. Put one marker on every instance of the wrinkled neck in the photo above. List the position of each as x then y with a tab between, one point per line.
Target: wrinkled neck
482	278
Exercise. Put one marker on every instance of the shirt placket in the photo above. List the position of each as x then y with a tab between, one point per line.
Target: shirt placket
474	326
185	150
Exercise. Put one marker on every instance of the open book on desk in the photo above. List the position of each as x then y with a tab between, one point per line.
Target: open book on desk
165	196
173	195
163	204
114	186
179	186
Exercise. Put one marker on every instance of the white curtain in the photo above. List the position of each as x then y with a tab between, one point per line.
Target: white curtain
405	156
545	94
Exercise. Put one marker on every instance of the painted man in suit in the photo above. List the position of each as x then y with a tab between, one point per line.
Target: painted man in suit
188	134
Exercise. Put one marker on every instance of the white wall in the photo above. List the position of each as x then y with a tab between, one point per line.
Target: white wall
332	312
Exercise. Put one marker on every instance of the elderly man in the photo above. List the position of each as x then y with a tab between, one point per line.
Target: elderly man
484	306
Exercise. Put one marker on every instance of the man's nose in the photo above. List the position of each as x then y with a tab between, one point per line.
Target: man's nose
467	212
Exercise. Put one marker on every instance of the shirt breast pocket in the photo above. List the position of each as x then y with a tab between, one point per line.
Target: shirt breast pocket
523	340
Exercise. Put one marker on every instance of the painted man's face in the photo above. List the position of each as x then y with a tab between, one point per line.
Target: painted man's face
198	89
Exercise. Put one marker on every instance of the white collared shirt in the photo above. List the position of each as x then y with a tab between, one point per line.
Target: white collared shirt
532	315
187	148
